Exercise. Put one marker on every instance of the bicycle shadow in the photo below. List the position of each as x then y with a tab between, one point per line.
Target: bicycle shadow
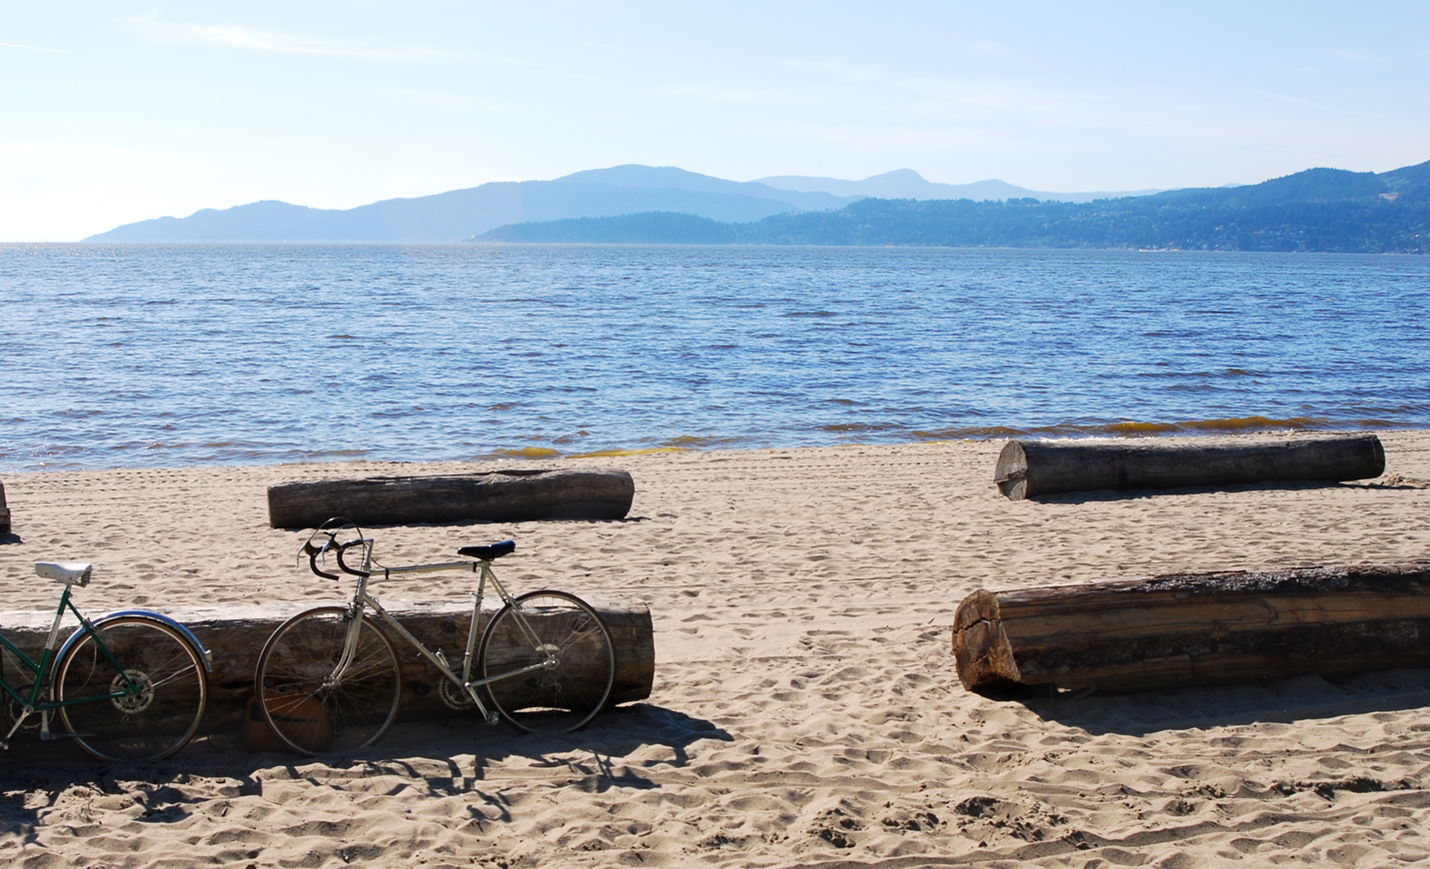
169	791
591	755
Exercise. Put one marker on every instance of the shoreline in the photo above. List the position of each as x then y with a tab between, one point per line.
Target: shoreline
805	710
1227	427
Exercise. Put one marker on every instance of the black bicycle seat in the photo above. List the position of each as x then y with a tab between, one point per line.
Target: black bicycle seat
488	553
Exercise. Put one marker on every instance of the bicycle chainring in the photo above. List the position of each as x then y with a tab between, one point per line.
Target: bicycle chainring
454	697
13	711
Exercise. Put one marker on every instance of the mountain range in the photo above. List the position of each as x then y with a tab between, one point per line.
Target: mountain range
1314	210
621	190
908	184
1329	210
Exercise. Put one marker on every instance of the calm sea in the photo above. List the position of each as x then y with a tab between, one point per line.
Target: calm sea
128	356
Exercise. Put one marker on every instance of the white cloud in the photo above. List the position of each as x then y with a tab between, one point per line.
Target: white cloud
720	93
445	99
874	138
1356	56
278	42
987	49
1289	98
22	149
43	48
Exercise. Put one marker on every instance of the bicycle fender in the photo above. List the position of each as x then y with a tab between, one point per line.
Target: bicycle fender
204	654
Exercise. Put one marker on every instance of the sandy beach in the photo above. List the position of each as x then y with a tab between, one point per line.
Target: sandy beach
805	710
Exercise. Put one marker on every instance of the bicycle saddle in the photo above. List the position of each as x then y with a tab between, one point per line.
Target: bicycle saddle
67	573
488	553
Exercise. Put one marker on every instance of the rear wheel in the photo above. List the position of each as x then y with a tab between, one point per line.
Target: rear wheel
307	707
567	655
149	706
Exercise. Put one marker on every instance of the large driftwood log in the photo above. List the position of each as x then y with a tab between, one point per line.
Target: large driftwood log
1028	468
1194	629
235	637
512	495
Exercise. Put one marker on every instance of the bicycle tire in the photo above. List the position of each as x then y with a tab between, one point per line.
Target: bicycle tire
155	721
303	708
565	696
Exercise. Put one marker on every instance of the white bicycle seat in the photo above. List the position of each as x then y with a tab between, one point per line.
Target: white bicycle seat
66	573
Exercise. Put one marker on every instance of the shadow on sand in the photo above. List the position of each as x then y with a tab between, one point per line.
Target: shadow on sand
1273	701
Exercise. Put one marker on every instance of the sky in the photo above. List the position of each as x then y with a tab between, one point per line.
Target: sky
113	112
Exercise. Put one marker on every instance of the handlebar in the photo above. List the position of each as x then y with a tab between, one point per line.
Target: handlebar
313	552
329	531
343	565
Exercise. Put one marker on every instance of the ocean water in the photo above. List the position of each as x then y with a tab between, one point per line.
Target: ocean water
159	356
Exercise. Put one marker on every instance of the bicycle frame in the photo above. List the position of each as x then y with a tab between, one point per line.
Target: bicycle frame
362	601
40	671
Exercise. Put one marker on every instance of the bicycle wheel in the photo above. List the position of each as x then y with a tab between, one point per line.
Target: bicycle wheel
566	639
159	716
309	710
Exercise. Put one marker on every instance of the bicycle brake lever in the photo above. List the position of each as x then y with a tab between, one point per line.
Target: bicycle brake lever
313	552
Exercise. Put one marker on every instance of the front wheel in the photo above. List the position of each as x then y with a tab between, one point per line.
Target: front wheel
552	660
310	700
145	708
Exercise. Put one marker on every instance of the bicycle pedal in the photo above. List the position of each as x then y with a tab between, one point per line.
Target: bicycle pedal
493	718
51	736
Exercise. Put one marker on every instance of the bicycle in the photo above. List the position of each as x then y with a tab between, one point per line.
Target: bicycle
127	686
328	679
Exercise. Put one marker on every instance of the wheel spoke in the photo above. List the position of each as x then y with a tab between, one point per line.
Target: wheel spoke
563	635
151	709
309	709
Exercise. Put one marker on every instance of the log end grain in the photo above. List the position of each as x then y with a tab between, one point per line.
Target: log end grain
981	651
1011	472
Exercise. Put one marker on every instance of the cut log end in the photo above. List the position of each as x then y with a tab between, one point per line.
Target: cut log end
981	652
1011	472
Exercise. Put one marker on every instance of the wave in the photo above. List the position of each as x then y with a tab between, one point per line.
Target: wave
1131	428
527	453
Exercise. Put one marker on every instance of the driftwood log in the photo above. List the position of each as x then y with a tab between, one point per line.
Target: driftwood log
235	637
1029	468
513	495
1195	629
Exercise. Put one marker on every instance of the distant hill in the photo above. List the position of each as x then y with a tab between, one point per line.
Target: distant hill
461	214
908	184
620	190
1316	210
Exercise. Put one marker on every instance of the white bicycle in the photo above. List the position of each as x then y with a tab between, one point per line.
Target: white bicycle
328	679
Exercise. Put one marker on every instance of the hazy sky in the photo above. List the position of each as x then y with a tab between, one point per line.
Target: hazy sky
116	111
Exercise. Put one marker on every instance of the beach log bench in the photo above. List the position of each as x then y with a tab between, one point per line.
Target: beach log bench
510	495
1195	629
1030	468
235	637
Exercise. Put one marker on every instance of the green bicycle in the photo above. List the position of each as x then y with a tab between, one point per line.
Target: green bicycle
127	686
